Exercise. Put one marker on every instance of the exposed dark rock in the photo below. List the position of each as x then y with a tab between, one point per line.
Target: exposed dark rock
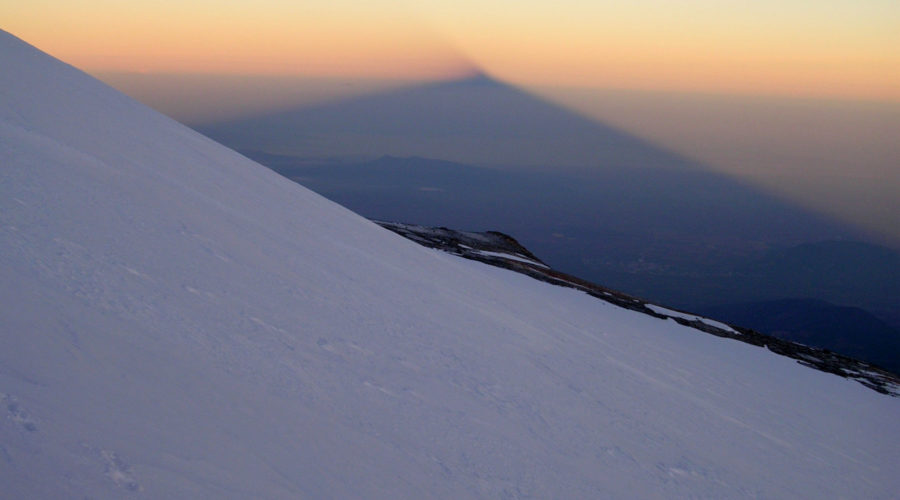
504	251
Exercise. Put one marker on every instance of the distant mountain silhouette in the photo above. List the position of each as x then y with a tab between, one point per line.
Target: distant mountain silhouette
840	264
627	227
847	330
842	272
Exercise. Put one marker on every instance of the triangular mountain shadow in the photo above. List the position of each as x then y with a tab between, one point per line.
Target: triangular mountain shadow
476	120
633	215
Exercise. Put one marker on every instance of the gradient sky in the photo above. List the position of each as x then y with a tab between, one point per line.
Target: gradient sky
837	48
213	59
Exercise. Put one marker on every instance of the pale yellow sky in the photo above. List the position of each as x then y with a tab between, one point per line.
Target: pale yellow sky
832	48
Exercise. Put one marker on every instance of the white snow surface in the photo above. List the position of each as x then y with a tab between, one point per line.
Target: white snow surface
690	317
177	321
510	256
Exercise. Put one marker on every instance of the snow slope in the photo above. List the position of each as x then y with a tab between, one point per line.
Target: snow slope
179	322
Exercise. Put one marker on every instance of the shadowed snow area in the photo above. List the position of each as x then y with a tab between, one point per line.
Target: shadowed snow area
177	321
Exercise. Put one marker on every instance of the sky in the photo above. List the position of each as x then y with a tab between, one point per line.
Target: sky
800	97
837	157
824	48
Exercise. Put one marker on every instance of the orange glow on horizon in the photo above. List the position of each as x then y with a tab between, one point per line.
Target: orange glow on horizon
837	48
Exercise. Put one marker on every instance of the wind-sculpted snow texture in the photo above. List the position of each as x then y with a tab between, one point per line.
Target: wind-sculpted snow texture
179	322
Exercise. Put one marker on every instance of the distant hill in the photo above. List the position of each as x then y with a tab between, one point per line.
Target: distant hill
842	272
847	273
602	223
848	330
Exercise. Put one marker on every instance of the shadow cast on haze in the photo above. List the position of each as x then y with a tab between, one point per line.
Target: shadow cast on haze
588	198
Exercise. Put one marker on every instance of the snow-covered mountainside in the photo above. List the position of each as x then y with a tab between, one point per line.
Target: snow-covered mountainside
177	321
502	250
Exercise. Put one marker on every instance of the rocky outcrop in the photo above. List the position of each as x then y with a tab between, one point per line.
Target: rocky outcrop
504	251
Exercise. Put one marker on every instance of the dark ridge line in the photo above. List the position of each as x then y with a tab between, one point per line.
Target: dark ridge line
469	245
